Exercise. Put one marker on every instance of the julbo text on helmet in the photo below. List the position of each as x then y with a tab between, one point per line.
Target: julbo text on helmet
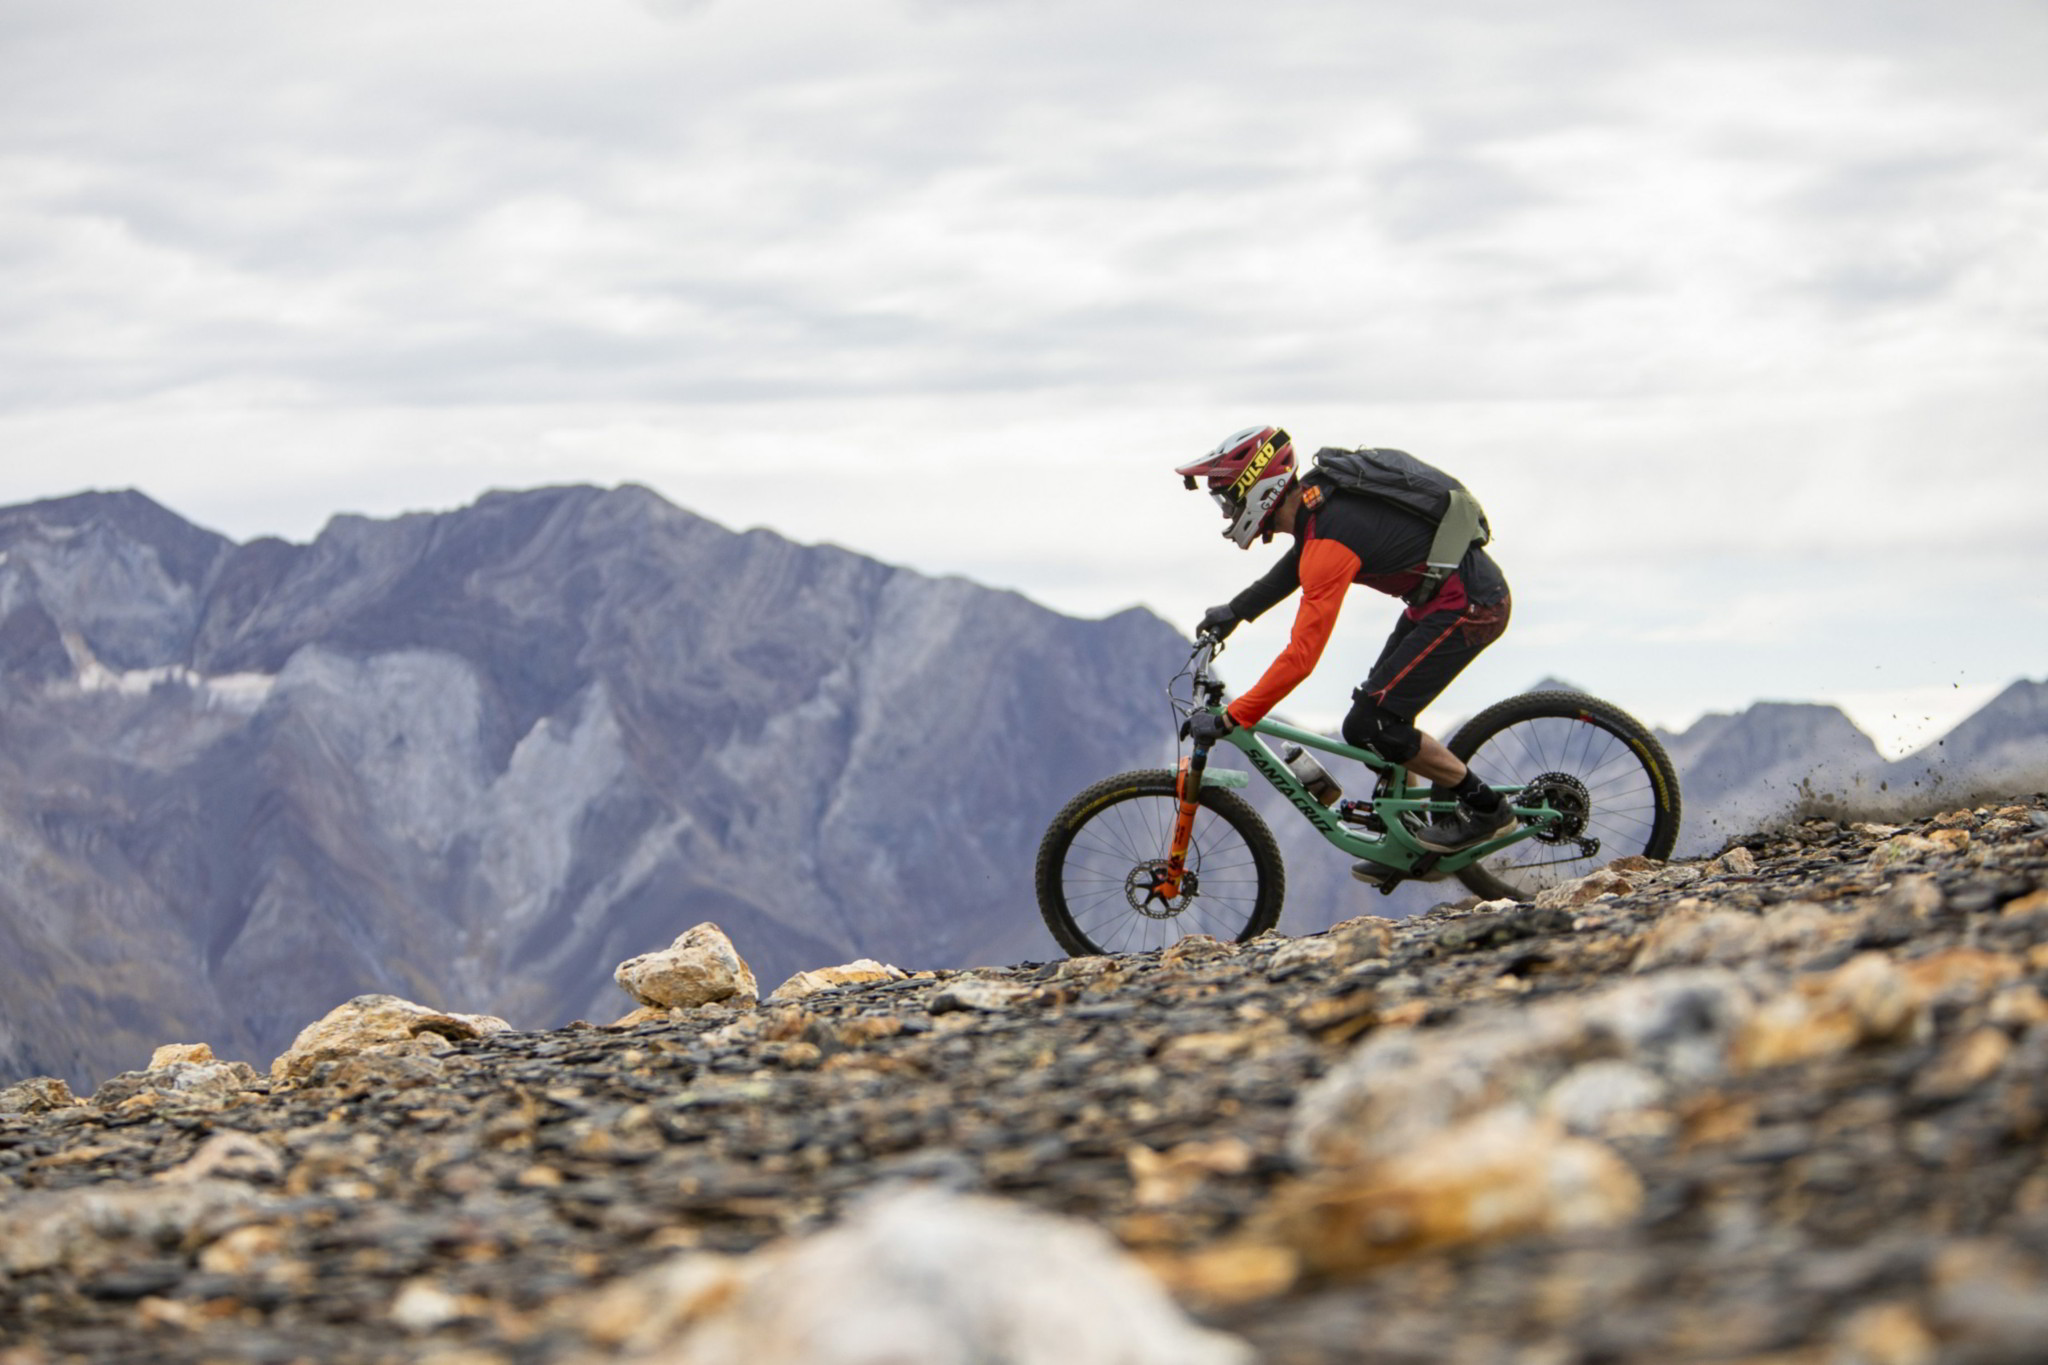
1248	474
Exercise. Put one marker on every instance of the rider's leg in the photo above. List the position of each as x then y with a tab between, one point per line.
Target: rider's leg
1434	763
1420	660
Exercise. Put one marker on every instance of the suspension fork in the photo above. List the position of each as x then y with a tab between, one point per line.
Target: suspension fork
1188	790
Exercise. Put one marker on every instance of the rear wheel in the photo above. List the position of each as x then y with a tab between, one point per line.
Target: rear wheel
1102	854
1586	758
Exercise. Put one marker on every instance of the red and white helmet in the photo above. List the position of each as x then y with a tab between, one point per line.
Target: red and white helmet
1248	474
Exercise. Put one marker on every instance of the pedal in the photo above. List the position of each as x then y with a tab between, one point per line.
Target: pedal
1386	878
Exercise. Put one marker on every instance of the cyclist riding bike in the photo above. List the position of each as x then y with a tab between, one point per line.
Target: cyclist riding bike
1343	537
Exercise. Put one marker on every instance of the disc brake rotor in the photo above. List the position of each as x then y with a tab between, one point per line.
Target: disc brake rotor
1141	889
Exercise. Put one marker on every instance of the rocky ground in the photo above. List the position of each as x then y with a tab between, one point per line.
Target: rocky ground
1786	1105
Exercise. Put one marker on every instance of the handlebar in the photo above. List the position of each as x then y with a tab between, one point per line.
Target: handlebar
1206	689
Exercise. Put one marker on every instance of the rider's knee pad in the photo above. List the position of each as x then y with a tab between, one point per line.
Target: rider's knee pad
1372	726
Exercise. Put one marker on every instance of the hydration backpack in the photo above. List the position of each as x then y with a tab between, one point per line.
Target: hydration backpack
1396	476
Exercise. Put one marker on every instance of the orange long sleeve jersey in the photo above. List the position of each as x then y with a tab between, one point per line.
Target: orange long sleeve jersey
1341	539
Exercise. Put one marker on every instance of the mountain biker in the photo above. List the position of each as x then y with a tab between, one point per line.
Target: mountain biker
1341	538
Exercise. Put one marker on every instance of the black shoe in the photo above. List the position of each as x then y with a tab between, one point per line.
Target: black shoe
1449	833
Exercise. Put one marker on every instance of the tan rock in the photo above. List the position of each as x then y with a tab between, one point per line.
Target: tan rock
1567	895
1960	974
2018	1006
203	1084
1407	1014
1340	1018
1885	1334
2028	904
377	1024
1228	1274
1307	952
1161	1179
1738	862
977	993
1692	933
1500	1175
859	1032
1369	936
237	1156
1964	1064
1867	999
1099	973
1196	948
1825	1015
1914	848
701	967
180	1052
1918	895
36	1095
644	1014
825	978
1207	1049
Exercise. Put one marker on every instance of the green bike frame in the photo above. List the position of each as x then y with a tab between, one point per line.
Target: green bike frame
1396	849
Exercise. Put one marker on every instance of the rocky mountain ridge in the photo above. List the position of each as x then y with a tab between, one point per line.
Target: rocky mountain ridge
479	755
1785	1105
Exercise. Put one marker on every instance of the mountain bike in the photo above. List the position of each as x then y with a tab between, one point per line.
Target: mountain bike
1145	858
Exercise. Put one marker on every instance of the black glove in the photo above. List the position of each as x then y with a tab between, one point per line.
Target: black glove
1218	621
1206	727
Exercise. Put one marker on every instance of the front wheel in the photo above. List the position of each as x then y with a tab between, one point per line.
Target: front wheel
1100	857
1588	759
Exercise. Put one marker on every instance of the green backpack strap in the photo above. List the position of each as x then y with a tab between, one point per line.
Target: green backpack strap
1463	526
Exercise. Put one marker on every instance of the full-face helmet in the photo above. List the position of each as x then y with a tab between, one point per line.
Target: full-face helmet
1248	474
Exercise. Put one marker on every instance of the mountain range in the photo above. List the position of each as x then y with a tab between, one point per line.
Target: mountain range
476	758
1742	771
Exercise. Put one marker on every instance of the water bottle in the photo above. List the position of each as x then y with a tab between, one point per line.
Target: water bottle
1311	774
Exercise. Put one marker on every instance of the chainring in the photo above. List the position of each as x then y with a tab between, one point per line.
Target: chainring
1566	795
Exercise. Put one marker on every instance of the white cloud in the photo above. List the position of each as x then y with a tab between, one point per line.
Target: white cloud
1714	304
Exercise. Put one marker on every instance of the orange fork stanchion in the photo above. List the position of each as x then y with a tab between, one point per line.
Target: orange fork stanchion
1188	787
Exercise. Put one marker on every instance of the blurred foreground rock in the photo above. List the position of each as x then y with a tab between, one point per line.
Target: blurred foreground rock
912	1275
1784	1106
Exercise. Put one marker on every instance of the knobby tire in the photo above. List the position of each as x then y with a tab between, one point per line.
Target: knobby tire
1632	785
1123	823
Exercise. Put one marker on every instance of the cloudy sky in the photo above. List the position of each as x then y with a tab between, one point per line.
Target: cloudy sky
1734	313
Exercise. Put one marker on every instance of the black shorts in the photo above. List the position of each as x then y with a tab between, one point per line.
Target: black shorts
1422	656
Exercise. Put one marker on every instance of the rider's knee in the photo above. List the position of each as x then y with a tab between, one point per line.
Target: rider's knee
1372	726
